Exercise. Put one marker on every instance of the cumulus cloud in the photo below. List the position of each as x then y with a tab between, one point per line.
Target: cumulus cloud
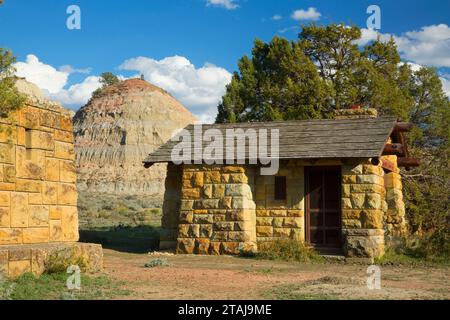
53	81
227	4
41	74
77	94
310	14
429	46
199	89
69	69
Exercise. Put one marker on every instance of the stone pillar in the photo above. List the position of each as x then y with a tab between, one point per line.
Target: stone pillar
171	208
395	220
362	214
217	214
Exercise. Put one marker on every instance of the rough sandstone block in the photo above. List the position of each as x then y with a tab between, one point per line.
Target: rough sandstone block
35	198
36	235
39	140
17	268
56	232
214	248
281	232
67	171
230	248
190	193
202	246
185	246
52	169
10	236
50	193
212	177
206	231
38	216
264	221
28	186
67	194
5	217
19	210
69	221
64	150
264	231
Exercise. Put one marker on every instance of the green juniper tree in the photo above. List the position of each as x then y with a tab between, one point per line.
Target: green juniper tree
106	79
10	98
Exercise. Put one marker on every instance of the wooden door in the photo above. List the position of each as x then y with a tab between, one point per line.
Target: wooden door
323	206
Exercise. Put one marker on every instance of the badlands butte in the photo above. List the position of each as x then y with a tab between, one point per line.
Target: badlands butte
114	132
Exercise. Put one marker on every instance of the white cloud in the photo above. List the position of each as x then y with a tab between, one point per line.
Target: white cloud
43	75
430	46
310	14
77	94
288	29
276	17
69	69
227	4
199	89
53	81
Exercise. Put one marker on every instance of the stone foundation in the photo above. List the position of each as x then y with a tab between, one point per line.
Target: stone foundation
18	259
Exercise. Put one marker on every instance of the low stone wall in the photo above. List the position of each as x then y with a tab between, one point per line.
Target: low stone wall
363	207
18	259
217	213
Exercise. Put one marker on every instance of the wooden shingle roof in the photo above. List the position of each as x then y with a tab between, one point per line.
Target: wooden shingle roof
309	139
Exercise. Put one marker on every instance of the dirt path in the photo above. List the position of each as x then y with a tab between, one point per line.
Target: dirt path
203	277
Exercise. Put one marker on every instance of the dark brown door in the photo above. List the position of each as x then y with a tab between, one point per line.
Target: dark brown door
323	206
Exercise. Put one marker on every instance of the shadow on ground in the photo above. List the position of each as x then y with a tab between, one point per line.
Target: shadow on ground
139	239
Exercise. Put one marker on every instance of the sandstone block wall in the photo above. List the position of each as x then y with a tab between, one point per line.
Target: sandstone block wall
277	219
217	210
395	217
363	208
38	197
222	209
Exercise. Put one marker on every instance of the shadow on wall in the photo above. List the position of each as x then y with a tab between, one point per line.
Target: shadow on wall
131	239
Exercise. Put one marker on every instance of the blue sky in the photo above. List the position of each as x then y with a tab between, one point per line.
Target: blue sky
190	47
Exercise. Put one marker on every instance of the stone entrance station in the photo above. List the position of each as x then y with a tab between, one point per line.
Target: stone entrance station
38	195
338	189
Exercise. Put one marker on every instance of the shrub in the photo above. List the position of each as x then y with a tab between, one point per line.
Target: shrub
157	263
287	250
104	214
60	260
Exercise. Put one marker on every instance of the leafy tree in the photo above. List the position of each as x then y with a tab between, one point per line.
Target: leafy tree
278	82
106	79
10	98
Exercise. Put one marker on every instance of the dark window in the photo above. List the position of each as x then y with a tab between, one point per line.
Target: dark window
28	144
280	188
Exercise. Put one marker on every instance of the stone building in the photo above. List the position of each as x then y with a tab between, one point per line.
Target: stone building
338	189
38	195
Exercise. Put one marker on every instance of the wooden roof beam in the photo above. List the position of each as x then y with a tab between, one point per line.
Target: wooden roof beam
403	127
408	162
394	149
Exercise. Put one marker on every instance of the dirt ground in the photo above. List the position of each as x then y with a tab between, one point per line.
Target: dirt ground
223	277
